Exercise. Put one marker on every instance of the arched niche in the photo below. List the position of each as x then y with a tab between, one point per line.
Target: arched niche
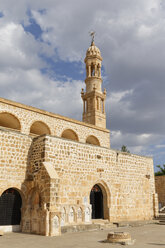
92	140
63	216
39	128
71	215
79	215
69	134
10	121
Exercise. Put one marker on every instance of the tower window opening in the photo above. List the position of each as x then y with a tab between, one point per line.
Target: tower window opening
92	70
98	71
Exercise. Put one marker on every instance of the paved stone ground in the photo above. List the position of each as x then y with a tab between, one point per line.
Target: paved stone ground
151	235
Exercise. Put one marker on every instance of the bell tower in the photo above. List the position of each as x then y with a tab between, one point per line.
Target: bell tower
93	98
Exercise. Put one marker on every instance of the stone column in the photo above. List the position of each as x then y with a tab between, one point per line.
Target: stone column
89	71
95	70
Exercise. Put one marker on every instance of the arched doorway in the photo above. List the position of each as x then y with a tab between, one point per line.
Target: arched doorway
10	207
96	200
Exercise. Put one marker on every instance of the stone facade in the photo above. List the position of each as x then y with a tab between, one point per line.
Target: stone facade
54	162
160	190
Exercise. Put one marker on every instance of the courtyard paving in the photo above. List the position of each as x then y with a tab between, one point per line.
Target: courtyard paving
151	235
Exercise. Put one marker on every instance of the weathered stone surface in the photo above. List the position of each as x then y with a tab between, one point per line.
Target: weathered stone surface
118	237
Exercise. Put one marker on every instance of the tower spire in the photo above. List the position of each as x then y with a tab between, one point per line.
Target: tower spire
92	34
93	98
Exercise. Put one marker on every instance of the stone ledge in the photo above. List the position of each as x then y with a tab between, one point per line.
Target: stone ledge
79	228
135	223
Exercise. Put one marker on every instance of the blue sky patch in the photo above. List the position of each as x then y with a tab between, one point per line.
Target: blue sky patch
64	69
33	28
1	14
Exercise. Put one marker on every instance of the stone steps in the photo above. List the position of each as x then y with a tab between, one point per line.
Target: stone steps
100	221
100	224
97	224
79	228
162	210
136	223
161	218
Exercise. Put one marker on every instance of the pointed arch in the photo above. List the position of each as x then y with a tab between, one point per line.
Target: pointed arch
92	140
71	215
9	120
106	197
39	128
70	134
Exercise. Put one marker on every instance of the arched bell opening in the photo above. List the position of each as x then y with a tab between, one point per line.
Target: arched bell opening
10	207
99	202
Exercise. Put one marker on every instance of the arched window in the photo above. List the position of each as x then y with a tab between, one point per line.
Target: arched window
10	121
39	128
92	140
69	134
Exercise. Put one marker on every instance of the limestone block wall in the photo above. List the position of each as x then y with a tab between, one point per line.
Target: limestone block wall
160	189
127	180
27	116
14	153
55	176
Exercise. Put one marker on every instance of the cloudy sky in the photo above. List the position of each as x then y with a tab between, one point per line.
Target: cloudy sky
42	48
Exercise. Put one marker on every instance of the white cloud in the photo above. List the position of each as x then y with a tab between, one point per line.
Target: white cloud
32	88
17	48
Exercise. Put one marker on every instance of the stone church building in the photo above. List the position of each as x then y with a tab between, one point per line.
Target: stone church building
56	171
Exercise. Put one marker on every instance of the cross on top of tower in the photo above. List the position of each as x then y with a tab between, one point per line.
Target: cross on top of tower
92	34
